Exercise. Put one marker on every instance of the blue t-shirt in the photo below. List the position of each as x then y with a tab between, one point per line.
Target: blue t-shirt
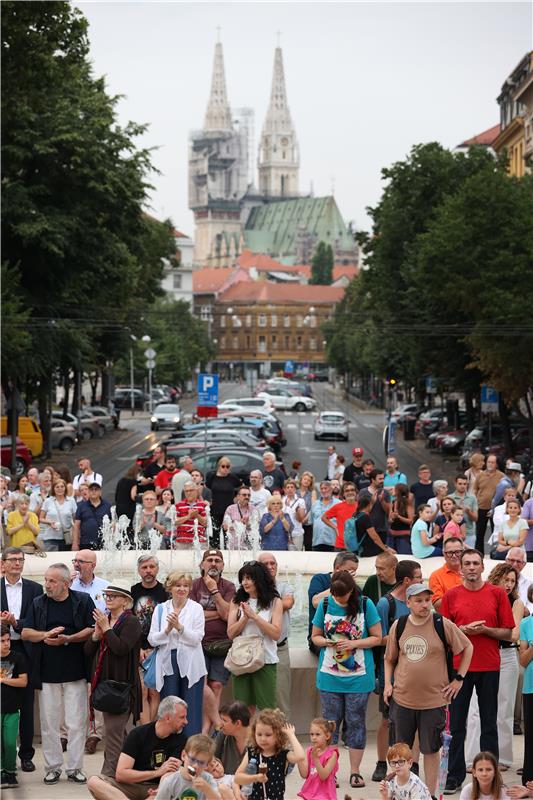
526	635
383	610
354	671
390	481
418	549
322	533
319	583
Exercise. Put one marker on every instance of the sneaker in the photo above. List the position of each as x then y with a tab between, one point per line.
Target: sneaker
11	781
27	765
52	776
77	777
452	786
380	771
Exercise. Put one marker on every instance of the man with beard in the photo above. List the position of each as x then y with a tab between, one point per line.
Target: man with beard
214	593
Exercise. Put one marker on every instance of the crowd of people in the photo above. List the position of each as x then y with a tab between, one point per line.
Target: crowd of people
451	654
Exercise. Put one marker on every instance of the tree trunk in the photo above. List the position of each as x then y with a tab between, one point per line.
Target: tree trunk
45	409
506	427
93	380
469	406
66	388
75	393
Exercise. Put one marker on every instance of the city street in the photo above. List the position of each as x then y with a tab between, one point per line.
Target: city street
115	452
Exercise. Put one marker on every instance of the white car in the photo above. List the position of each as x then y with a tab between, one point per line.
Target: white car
166	415
248	402
332	425
283	398
406	410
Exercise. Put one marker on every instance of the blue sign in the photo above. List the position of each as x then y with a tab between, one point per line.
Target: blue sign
490	399
207	390
289	367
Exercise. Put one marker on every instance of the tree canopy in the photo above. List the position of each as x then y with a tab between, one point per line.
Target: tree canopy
322	265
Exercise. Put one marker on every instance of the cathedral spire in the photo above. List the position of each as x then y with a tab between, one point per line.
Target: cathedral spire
218	113
279	159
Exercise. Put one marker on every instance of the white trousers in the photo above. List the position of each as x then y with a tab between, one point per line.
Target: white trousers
506	698
68	699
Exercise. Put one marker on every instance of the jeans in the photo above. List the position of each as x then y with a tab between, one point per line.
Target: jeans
486	685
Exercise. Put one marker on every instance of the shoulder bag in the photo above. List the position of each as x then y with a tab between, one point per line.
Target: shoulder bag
113	697
246	655
148	665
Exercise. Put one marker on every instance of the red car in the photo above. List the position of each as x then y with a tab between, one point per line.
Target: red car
23	455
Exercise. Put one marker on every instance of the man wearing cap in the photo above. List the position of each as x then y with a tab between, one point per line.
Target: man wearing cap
511	479
283	673
84	580
355	469
214	593
482	612
89	517
417	662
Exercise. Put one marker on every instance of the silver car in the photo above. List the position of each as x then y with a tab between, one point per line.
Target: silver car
332	425
105	419
166	416
62	435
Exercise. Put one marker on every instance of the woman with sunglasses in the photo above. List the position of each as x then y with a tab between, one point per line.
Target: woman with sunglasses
223	484
257	609
114	647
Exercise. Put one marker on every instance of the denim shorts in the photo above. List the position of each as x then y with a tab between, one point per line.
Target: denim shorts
216	671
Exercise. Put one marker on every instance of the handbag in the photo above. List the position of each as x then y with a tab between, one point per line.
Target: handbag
217	649
113	697
148	665
246	655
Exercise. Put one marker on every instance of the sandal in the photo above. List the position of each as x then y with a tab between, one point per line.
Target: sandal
356	781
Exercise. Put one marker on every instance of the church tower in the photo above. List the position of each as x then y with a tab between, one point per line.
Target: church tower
218	113
279	159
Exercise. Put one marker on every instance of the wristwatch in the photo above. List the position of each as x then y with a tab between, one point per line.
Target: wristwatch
459	677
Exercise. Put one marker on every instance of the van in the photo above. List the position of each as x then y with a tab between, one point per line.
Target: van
30	433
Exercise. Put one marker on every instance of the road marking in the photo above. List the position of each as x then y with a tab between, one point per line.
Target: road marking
307	427
292	426
366	425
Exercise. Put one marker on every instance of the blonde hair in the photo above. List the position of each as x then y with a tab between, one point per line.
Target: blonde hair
199	743
173	578
327	725
276	720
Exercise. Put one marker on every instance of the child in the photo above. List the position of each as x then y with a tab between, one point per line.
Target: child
192	778
405	785
270	736
227	789
23	527
487	781
13	678
455	526
322	763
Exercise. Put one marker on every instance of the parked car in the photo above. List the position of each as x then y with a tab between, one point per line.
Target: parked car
319	375
122	398
29	432
248	402
105	419
23	457
332	425
477	441
283	398
269	430
238	438
429	421
166	416
406	410
62	435
452	441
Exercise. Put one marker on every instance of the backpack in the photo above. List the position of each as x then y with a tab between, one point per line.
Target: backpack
351	539
438	624
379	651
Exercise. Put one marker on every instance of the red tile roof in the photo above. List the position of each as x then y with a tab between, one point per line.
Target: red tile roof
265	292
265	263
210	280
260	261
486	138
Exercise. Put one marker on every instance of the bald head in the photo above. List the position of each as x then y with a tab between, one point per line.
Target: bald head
270	562
84	563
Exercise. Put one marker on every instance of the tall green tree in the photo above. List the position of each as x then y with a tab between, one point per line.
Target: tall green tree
322	265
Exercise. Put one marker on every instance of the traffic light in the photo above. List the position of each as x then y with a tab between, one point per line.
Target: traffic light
391	381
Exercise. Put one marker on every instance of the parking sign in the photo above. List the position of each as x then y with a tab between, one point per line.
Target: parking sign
207	390
489	400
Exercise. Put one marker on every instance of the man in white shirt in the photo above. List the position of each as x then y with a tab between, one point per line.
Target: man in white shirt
84	580
332	461
87	475
258	494
16	596
283	672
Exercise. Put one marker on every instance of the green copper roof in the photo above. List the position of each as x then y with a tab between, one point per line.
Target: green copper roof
274	228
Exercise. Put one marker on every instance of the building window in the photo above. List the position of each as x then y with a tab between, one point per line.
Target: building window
248	341
312	343
205	313
312	321
222	320
222	342
261	347
274	341
287	321
235	342
262	320
176	280
274	320
298	342
248	320
299	321
287	343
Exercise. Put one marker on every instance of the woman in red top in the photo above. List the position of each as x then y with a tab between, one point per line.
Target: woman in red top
340	512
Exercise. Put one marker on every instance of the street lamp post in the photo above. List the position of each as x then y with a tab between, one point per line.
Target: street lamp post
132	375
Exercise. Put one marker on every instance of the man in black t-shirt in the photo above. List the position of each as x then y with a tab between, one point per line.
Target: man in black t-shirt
355	469
147	594
363	480
273	477
372	543
13	679
59	622
149	752
422	490
152	470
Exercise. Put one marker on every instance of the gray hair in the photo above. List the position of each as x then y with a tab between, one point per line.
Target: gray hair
437	484
63	569
168	705
10	551
147	557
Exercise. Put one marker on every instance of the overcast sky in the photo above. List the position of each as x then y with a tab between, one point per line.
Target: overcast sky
365	81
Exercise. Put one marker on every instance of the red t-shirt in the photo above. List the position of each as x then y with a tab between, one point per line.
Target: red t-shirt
185	531
340	512
490	603
164	478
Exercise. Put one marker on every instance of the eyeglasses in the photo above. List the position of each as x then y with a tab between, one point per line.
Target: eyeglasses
454	553
225	466
15	560
197	761
111	596
81	561
397	762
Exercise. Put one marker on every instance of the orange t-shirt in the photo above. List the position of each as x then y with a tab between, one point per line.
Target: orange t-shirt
441	580
340	512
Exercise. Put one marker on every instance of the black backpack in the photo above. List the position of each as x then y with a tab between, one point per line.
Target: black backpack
438	623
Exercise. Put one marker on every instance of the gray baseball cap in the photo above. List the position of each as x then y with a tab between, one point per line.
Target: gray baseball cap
417	588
